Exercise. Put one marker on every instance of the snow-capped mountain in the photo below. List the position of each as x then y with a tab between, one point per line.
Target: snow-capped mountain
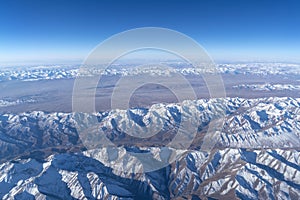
268	87
5	103
228	173
254	155
66	72
38	73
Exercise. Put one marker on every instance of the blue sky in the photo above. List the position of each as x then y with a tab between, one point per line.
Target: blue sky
54	31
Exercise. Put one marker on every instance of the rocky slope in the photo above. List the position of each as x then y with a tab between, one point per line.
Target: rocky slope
228	173
254	155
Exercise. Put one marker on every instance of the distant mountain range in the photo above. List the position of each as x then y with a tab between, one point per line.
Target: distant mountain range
60	72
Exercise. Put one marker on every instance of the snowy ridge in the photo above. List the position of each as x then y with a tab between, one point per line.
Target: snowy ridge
256	123
63	72
268	87
260	68
252	123
73	176
228	173
272	123
238	173
6	103
256	155
37	73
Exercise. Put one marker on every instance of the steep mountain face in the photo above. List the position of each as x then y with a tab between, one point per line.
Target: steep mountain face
238	173
228	173
254	155
273	123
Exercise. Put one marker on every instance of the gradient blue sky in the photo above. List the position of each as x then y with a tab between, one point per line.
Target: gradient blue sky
61	31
